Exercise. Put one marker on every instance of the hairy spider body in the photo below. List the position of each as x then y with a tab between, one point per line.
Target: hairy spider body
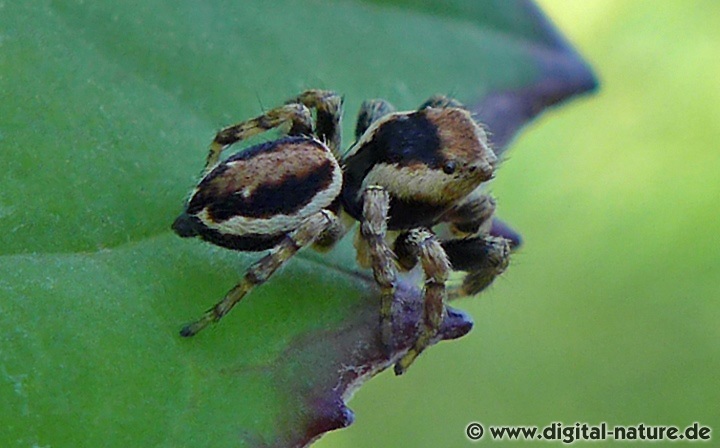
427	161
406	172
255	197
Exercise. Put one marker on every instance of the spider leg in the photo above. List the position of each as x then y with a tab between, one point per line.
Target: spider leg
261	270
370	112
328	105
297	115
373	228
472	214
334	233
483	257
421	244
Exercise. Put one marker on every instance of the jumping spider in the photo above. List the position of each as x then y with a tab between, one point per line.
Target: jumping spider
406	173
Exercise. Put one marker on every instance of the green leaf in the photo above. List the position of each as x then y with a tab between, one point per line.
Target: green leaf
105	115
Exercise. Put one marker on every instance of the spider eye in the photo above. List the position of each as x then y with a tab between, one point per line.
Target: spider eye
449	167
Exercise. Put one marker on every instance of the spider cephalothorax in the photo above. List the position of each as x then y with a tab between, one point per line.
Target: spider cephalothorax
406	172
427	161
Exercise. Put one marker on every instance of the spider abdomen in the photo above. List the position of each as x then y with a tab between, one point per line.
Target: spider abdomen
252	199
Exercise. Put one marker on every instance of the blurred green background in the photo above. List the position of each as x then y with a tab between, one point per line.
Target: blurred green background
610	311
